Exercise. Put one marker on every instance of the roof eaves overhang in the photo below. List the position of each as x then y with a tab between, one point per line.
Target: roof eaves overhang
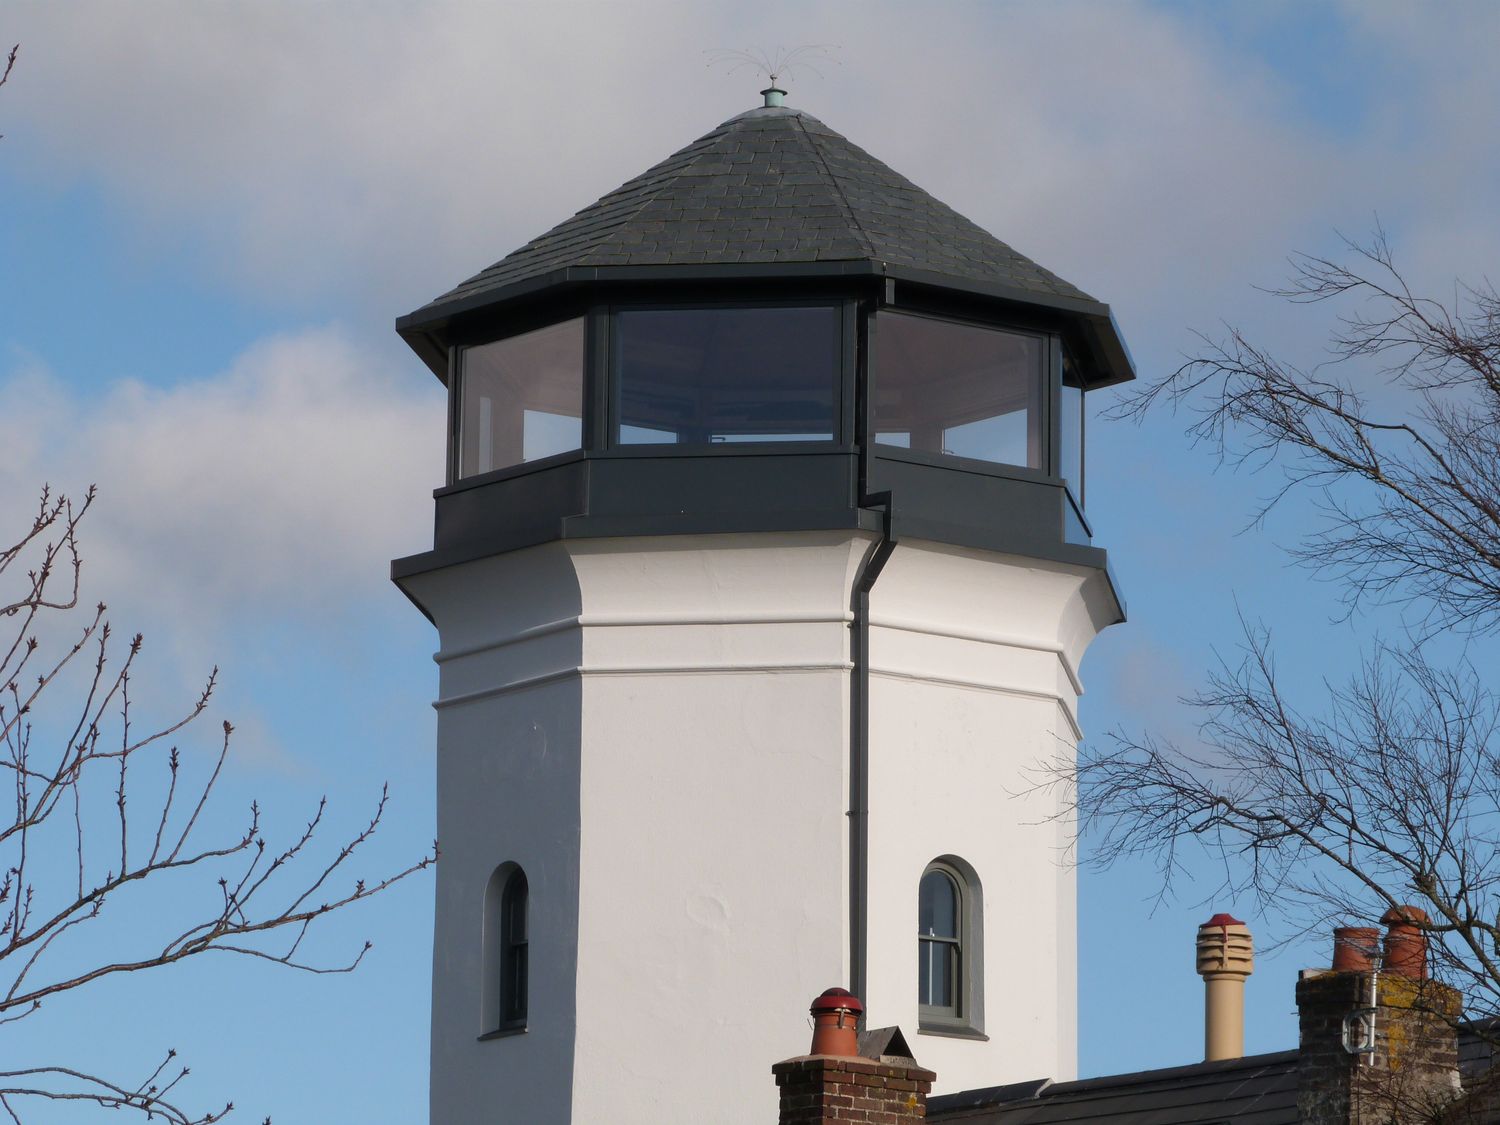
1094	326
424	329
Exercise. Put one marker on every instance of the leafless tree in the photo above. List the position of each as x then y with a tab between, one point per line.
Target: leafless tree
1384	790
104	810
10	64
1408	476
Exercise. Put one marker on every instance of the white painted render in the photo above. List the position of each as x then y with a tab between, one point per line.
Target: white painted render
657	731
508	761
974	684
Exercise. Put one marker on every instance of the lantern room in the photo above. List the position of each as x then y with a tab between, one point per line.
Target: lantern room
769	330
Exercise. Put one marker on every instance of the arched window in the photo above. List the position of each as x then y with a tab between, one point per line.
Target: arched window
505	951
950	947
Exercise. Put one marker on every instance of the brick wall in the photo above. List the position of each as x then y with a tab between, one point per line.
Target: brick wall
823	1089
1414	1070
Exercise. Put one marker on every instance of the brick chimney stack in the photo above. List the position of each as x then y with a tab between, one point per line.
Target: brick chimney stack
833	1084
1379	1045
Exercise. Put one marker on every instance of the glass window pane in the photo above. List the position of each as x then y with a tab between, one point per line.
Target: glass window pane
960	389
515	908
936	973
513	1003
726	375
1072	439
937	905
521	398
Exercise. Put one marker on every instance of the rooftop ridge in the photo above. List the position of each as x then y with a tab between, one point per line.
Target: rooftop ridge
838	188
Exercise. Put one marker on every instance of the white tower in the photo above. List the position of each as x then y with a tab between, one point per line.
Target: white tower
761	579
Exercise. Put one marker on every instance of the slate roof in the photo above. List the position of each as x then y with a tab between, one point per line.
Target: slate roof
773	185
1255	1090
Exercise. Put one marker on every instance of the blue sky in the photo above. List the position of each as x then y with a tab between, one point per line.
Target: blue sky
212	214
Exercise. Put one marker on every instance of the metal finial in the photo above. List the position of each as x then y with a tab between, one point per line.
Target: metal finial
774	64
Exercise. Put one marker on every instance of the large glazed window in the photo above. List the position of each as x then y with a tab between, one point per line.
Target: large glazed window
521	398
942	387
705	375
950	948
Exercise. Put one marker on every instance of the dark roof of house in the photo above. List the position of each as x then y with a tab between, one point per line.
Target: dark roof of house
773	185
1476	1048
1255	1090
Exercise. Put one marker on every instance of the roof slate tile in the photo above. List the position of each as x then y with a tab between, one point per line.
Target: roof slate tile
769	185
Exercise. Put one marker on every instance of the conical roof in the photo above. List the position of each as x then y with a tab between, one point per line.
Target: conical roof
774	185
774	193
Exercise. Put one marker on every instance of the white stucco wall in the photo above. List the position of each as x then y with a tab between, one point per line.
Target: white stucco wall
509	722
715	864
657	730
973	683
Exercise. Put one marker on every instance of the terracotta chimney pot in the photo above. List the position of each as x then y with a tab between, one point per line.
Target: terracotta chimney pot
1354	948
1406	941
835	1085
836	1015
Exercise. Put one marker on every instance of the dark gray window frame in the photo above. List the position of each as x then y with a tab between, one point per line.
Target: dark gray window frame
607	394
599	394
1079	530
505	953
854	410
1060	359
723	487
966	1019
1049	422
490	332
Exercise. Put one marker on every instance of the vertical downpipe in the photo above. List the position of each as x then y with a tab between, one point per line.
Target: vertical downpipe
859	748
859	659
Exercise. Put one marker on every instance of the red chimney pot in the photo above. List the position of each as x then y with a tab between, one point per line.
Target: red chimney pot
1405	941
836	1013
1222	920
1354	948
1405	914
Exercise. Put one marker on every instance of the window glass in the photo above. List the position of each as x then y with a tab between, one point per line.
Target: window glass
506	952
706	376
937	909
936	969
513	954
1071	461
942	387
938	916
521	398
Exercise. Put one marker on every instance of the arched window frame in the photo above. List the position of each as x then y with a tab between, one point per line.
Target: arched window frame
506	954
965	1016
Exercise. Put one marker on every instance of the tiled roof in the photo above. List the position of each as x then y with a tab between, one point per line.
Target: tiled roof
772	185
1256	1090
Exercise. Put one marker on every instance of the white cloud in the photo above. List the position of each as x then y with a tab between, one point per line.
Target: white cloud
381	152
384	151
279	486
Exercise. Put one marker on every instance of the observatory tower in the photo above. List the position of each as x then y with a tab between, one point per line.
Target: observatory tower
761	577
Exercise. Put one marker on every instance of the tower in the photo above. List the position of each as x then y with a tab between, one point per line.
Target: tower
761	579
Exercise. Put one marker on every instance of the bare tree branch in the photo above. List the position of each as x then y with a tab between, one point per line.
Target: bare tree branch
10	63
1386	792
1399	433
134	814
